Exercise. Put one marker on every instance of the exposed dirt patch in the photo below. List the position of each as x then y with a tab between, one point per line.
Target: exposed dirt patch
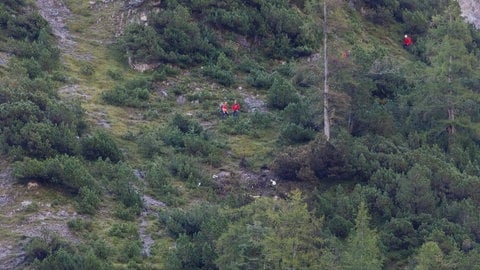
26	212
57	13
150	210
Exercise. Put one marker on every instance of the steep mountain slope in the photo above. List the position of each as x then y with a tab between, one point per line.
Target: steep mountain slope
238	169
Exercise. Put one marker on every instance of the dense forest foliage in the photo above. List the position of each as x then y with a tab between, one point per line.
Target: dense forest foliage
396	186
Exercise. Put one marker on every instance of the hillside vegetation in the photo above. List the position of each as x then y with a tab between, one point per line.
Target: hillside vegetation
116	156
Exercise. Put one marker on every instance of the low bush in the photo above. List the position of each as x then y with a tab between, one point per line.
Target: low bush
87	69
294	134
185	124
132	93
260	79
122	96
235	126
88	200
124	213
119	180
79	224
100	145
186	168
222	76
124	231
64	171
131	252
281	93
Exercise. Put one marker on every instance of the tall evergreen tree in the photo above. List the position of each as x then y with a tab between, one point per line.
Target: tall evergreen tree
430	256
294	239
449	87
362	251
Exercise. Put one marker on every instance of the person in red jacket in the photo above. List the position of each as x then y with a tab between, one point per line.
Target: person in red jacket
407	41
235	108
224	109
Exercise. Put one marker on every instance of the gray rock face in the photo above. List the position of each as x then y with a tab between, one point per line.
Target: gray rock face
135	3
471	11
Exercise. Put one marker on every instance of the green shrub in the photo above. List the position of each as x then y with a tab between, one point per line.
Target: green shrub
67	172
158	179
189	222
195	231
131	252
79	224
118	179
182	39
101	249
185	124
237	20
286	69
125	213
151	114
40	248
26	26
222	76
124	230
141	43
235	126
340	226
281	93
287	165
199	145
151	142
248	65
100	145
133	93
88	200
262	119
120	95
32	208
260	79
300	113
37	249
293	134
87	69
61	259
130	198
186	168
114	74
34	123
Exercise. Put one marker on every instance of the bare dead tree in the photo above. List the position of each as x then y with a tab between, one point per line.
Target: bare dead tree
326	117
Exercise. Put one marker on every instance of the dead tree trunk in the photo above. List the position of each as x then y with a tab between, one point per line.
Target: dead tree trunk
326	118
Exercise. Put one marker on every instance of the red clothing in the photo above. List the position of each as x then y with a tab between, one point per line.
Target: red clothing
224	108
236	107
407	41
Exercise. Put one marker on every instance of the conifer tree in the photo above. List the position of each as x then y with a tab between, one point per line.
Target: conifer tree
430	256
362	251
294	236
452	66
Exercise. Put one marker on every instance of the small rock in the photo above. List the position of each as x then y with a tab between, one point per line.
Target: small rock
26	203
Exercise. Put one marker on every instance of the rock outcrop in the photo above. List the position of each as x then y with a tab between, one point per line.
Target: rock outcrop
471	11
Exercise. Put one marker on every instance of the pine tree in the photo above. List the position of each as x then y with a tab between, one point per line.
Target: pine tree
294	239
430	256
362	251
452	65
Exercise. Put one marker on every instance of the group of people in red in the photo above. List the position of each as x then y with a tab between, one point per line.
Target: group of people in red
235	109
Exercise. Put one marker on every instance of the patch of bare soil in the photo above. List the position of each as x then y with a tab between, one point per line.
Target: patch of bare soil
57	13
150	210
26	212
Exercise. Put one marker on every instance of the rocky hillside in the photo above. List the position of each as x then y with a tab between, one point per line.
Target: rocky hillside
201	164
471	11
